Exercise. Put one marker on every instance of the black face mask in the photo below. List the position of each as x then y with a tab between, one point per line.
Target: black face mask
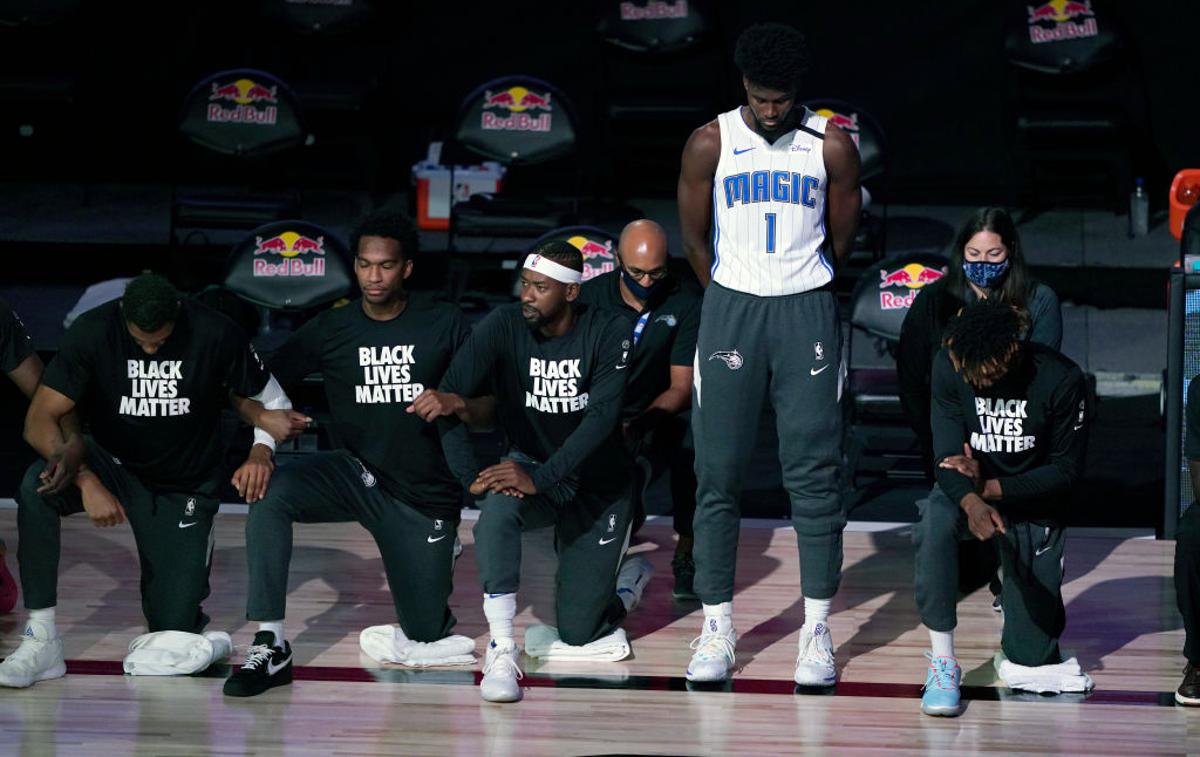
643	293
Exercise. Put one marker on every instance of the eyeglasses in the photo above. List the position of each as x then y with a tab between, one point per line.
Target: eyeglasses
658	274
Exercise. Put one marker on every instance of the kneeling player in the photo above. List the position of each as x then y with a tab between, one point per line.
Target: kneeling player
375	355
150	374
1009	422
557	368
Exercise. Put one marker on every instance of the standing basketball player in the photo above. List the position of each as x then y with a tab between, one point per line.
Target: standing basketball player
778	188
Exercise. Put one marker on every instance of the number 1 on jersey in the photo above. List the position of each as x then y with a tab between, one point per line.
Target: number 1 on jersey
770	233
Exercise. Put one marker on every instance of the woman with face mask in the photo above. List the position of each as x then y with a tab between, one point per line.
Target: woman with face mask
986	262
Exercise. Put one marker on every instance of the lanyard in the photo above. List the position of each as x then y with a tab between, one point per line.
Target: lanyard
640	326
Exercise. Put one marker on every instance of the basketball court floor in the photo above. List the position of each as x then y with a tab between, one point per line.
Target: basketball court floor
1122	626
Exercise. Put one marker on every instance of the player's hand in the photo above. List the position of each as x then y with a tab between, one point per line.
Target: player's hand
282	425
431	404
252	477
506	477
966	465
983	519
62	466
99	503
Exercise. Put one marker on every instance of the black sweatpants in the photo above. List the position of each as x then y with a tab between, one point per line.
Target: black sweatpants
664	449
173	532
1031	557
786	350
591	534
334	487
1187	580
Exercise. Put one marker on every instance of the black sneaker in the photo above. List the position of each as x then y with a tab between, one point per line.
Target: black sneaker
266	666
1188	692
685	576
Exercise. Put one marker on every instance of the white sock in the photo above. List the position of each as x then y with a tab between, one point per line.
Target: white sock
500	609
942	643
816	611
718	618
45	617
276	628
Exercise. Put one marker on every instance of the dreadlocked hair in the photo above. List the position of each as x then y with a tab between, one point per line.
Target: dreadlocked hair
984	334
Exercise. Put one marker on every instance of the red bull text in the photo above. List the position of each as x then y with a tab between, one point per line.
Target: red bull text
246	96
1060	20
516	100
654	10
290	246
911	277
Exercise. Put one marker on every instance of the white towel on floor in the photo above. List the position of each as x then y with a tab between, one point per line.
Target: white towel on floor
389	644
1044	679
176	653
544	642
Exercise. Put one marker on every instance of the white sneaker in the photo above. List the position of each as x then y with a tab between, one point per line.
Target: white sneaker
501	673
632	578
38	658
814	664
713	657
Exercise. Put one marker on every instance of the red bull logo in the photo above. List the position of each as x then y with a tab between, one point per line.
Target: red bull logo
654	10
1060	20
598	257
911	277
848	124
517	101
290	246
246	96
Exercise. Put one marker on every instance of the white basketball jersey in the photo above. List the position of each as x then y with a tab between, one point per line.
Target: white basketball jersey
769	209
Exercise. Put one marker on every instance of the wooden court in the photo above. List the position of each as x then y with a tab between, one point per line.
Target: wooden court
1122	625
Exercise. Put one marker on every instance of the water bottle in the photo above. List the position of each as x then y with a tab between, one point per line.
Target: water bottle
1139	210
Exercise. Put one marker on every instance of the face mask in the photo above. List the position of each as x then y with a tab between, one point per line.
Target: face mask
985	275
637	290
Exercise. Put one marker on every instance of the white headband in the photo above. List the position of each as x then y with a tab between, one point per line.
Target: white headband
542	264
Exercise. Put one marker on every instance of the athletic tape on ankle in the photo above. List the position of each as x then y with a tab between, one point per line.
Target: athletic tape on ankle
544	265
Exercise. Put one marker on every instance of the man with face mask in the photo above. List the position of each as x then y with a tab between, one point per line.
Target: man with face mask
663	316
557	368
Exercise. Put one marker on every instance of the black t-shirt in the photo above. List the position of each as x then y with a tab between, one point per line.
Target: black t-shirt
558	399
373	370
158	414
672	320
1029	430
15	344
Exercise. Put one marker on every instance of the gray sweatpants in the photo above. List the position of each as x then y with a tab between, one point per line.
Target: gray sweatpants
333	487
591	534
1031	557
785	350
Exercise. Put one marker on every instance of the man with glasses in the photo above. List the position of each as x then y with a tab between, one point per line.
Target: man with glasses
664	317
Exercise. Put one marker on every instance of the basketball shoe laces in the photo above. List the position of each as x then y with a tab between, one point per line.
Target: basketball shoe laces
814	652
256	655
503	664
713	645
943	673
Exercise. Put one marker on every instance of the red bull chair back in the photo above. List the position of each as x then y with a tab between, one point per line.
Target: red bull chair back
878	305
518	121
242	112
653	26
290	265
1078	128
867	134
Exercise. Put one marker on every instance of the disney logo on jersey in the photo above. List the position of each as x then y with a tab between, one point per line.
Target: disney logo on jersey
731	358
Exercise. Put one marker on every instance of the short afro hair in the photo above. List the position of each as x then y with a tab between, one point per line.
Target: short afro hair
387	223
150	302
984	334
774	56
563	253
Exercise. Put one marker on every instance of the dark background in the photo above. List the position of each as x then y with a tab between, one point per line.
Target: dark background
933	73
